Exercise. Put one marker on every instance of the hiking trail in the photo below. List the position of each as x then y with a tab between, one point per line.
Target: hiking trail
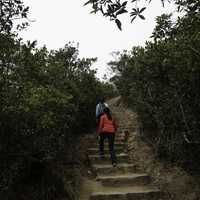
122	182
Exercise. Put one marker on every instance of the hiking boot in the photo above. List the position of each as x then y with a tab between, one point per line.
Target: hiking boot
102	156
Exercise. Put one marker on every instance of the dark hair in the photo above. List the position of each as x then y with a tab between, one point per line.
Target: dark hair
107	112
102	99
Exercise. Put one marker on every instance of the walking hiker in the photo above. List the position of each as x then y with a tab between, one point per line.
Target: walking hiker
100	109
107	130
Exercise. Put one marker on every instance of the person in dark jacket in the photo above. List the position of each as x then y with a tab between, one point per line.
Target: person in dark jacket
107	130
100	108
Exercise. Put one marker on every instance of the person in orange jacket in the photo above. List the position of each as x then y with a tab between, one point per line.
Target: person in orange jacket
107	130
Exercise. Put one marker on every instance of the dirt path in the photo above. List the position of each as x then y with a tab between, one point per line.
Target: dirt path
138	175
121	182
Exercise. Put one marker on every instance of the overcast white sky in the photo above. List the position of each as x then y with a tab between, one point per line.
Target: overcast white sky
59	21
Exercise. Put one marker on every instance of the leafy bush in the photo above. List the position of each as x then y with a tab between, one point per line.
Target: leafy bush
47	98
161	82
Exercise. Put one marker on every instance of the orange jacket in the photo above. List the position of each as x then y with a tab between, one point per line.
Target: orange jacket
107	125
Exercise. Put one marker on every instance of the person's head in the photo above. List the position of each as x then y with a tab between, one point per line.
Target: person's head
102	100
107	112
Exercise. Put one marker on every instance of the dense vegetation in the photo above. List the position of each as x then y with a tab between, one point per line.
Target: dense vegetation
161	82
47	101
48	97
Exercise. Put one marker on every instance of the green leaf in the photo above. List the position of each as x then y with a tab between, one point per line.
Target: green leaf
94	11
119	24
135	10
110	9
133	18
124	4
86	3
142	17
133	14
121	12
142	10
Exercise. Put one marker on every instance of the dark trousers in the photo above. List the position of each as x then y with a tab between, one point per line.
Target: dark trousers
111	138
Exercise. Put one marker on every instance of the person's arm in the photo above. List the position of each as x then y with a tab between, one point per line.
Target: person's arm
97	110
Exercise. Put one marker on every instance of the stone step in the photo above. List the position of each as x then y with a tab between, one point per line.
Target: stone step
117	144
128	179
108	169
96	159
93	151
119	135
119	138
126	193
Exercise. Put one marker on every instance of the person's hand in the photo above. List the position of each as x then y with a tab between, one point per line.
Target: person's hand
97	136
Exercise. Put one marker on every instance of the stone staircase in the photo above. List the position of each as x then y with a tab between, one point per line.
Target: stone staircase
120	182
